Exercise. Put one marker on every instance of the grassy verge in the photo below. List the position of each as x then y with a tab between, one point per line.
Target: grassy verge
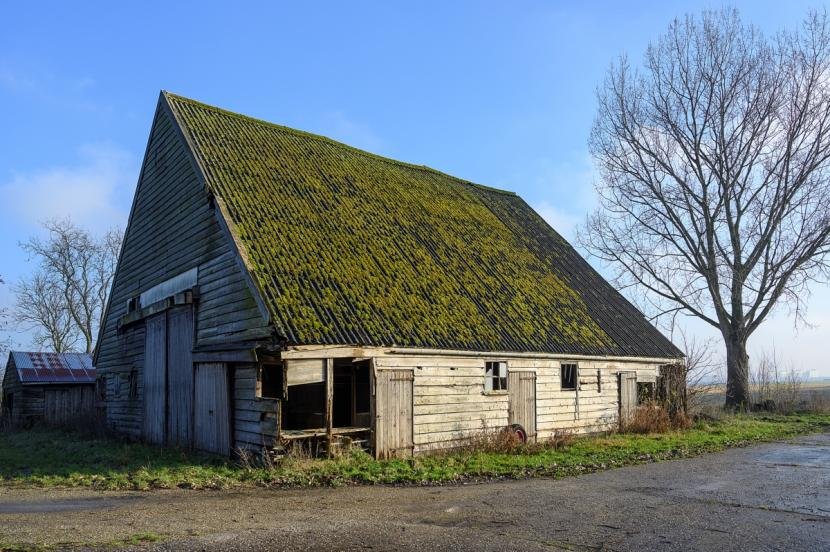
51	458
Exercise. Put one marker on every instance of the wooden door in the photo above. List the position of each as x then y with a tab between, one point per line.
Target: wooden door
212	413
180	376
521	390
393	413
628	395
155	378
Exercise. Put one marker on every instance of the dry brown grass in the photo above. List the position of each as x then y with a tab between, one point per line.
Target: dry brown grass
504	441
652	417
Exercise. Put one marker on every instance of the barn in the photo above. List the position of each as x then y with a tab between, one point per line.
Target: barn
51	388
276	285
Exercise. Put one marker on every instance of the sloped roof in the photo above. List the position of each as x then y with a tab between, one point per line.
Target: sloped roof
347	247
36	368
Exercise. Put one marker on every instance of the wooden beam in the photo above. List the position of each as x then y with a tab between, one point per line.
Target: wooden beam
241	355
329	402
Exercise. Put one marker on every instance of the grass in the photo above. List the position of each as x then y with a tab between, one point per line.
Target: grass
52	458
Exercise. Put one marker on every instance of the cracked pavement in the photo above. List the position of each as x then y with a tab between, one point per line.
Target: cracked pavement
774	496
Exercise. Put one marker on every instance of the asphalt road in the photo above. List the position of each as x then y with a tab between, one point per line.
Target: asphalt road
774	496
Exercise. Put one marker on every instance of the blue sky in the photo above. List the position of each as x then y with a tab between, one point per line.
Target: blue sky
500	93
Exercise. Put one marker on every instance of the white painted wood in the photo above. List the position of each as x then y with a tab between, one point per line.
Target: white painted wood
521	388
393	413
304	371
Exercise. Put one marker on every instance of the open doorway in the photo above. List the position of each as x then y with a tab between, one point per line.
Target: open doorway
351	393
305	406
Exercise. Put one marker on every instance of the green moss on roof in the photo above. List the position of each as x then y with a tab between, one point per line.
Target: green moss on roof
348	247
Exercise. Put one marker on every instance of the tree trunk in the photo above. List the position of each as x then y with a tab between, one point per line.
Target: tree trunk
737	373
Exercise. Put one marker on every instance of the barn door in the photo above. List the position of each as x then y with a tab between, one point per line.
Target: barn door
628	395
521	390
155	378
212	414
179	376
393	413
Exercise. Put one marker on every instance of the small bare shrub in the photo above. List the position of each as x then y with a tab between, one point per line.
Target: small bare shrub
649	417
776	388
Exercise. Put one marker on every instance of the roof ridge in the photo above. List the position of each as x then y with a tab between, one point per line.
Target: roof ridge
331	141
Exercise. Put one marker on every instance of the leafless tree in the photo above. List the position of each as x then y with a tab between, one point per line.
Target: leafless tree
41	307
703	369
81	268
714	195
5	339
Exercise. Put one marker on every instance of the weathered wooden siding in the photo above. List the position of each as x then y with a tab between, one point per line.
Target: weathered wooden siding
173	228
255	420
68	404
450	404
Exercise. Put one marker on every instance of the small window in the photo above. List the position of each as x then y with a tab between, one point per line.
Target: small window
599	381
270	381
645	391
568	373
495	376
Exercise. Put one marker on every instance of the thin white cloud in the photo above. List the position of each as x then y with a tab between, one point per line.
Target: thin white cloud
339	126
563	221
94	192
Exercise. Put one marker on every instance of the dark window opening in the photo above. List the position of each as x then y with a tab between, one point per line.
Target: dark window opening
495	376
568	373
599	381
304	406
270	382
351	393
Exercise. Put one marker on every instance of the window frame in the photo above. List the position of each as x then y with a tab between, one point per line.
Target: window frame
495	384
562	366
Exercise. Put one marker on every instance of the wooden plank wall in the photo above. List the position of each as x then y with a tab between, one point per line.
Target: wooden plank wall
212	416
255	420
450	405
68	404
173	228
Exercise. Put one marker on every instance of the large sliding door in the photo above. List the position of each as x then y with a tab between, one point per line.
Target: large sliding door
155	378
168	378
179	377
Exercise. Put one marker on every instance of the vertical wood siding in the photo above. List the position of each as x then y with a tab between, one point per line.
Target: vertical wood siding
155	379
212	415
179	376
393	413
521	391
172	229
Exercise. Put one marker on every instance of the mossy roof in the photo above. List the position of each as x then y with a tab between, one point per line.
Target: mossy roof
347	247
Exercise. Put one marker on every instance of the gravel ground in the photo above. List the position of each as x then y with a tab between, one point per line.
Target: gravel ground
774	496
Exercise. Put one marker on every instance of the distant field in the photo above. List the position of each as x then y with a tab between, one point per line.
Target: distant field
813	392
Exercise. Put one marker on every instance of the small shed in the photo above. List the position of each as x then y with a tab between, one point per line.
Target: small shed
54	388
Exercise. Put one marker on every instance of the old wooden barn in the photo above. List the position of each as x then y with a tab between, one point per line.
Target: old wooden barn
52	388
277	285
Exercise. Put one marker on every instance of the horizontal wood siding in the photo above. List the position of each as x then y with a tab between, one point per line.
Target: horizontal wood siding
450	405
173	228
255	420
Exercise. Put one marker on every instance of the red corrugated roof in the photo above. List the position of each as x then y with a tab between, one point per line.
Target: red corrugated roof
33	368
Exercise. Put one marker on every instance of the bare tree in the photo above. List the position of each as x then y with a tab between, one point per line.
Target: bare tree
81	268
41	307
5	339
703	370
714	195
